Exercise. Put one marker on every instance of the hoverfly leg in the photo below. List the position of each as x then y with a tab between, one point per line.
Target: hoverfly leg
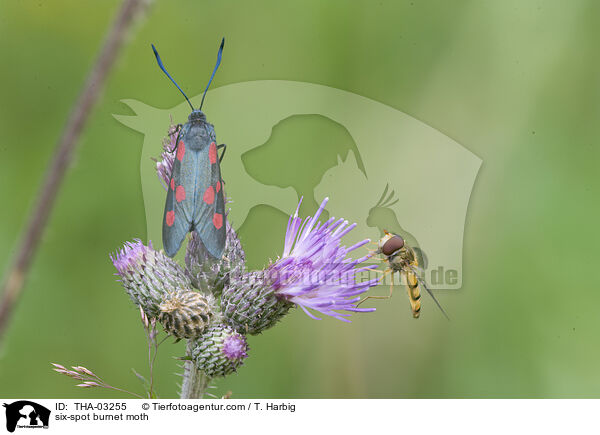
372	252
381	279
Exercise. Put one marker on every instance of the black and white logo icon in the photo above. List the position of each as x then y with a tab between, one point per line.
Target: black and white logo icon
26	414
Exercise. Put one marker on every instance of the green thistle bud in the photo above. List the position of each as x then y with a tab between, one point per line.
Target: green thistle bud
219	351
209	274
250	304
186	314
148	275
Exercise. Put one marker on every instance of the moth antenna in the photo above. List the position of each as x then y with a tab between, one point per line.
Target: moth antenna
160	64
214	71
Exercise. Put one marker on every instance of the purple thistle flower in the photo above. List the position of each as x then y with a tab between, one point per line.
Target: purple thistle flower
315	271
130	256
164	166
234	347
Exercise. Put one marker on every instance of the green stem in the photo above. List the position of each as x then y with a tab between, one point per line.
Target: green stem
195	381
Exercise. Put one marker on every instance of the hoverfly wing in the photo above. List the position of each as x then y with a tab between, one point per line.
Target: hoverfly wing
209	215
417	271
421	257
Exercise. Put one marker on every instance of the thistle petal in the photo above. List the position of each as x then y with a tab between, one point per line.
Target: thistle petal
315	271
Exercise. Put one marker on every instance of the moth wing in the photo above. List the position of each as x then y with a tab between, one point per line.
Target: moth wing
177	219
209	218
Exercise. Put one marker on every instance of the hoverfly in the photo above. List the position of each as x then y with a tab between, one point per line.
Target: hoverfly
403	259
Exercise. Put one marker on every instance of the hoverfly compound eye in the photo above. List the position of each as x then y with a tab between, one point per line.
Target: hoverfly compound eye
392	245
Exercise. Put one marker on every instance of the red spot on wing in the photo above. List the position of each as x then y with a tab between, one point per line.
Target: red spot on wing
212	153
180	194
218	186
218	220
172	183
170	218
180	150
209	195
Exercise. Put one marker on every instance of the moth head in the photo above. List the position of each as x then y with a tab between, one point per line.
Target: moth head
197	116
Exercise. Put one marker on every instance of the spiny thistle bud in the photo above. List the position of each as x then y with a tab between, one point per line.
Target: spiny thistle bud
250	304
209	274
219	351
186	314
148	275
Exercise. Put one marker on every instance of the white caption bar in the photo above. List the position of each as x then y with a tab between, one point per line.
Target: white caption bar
22	416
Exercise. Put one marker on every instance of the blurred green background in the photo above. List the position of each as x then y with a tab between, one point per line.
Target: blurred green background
515	82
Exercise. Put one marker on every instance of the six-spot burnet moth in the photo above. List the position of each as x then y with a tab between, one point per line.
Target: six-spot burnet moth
195	200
